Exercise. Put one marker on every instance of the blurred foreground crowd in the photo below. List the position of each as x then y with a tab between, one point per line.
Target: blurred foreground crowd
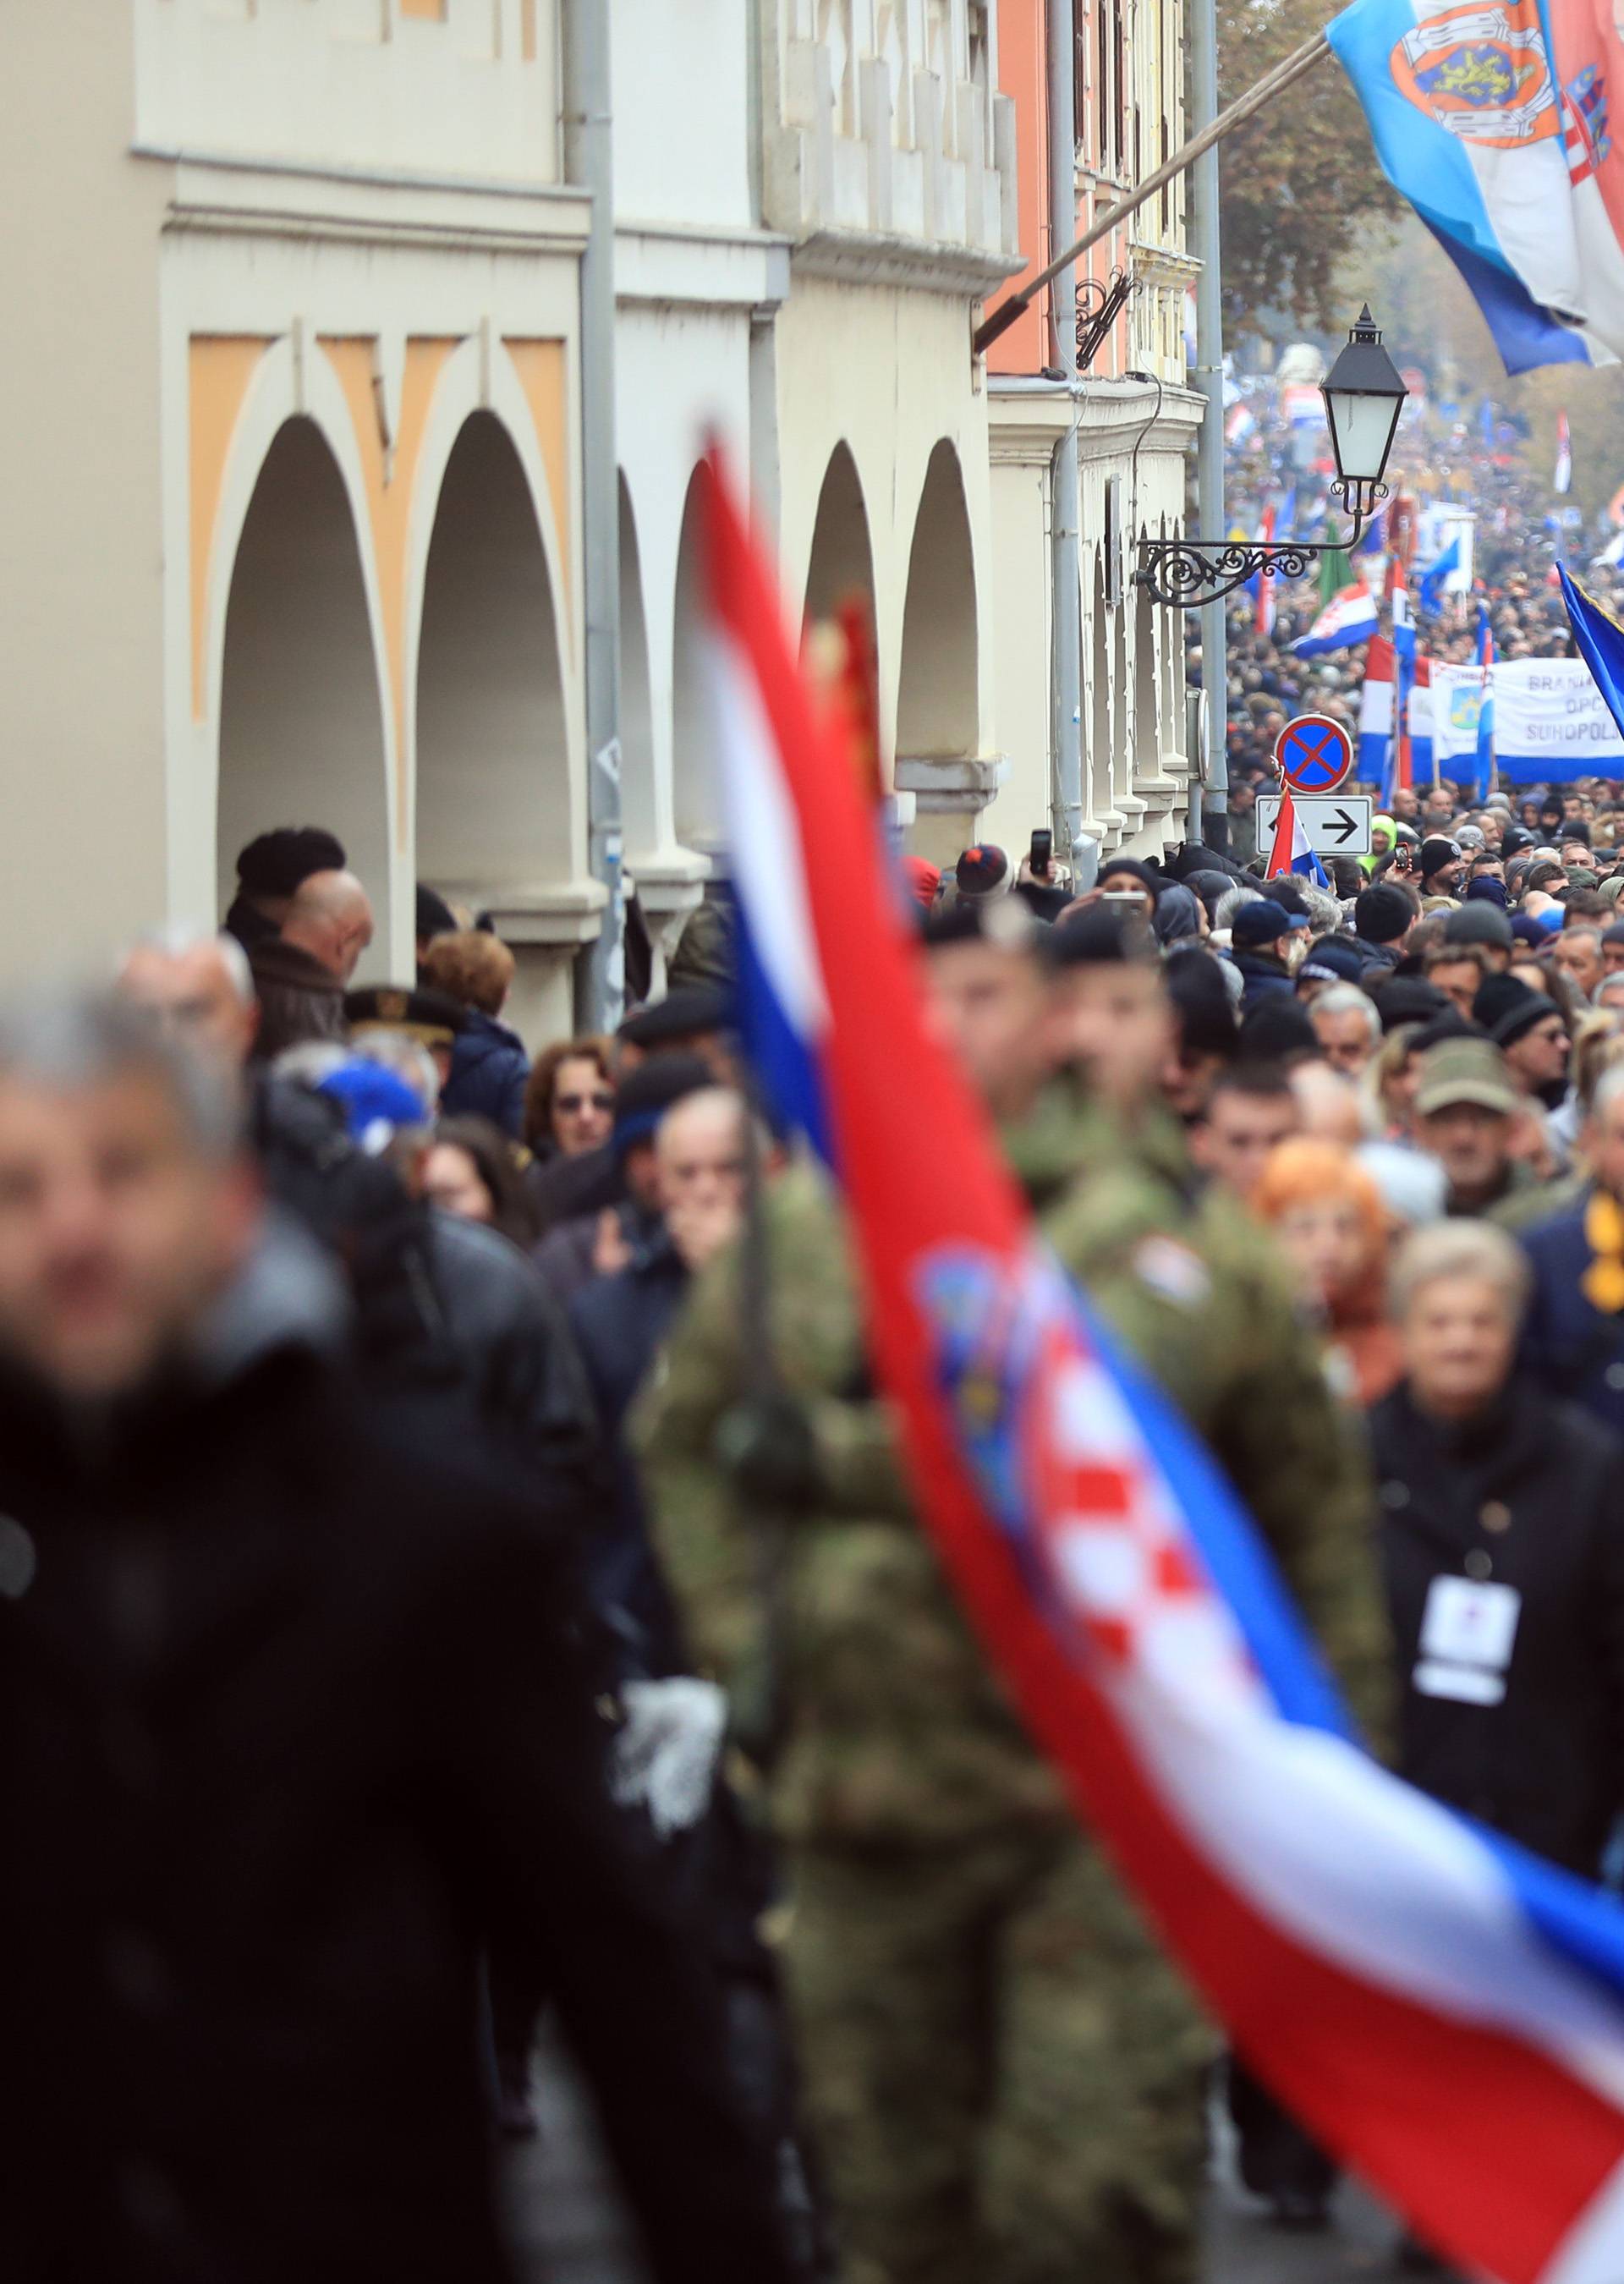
457	1562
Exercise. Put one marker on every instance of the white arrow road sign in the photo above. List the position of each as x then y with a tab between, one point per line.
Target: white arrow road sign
1337	824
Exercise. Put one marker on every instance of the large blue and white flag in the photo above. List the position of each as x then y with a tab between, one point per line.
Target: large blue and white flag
1474	127
1431	582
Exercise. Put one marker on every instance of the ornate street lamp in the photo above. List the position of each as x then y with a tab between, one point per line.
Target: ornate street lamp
1365	393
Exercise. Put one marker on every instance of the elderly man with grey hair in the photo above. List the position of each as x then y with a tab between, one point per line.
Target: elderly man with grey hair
1349	1027
1503	1540
292	1712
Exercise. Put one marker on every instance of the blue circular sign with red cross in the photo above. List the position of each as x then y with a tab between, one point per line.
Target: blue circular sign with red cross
1314	754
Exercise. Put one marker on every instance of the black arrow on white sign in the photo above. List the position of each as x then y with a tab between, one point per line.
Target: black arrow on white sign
1349	825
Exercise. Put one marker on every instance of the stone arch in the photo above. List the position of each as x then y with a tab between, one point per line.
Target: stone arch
937	707
639	816
492	739
840	567
302	736
693	793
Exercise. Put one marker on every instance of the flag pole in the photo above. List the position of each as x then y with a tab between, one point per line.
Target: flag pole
1301	59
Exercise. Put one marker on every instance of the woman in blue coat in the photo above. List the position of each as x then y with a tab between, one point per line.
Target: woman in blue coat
489	1067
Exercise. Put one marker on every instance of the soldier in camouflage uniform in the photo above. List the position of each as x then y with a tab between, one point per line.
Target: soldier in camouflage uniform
1004	2073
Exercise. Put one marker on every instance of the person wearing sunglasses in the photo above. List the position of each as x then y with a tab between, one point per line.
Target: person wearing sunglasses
569	1104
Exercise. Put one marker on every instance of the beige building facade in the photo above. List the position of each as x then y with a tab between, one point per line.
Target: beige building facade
292	458
1135	421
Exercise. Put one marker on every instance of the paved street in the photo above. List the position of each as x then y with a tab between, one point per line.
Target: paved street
564	2219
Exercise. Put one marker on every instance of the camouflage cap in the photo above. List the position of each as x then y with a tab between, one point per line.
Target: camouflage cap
1464	1070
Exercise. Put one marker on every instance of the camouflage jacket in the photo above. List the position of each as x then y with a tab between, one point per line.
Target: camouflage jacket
897	1730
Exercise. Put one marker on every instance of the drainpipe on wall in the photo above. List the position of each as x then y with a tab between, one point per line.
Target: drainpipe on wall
1066	610
1209	817
589	165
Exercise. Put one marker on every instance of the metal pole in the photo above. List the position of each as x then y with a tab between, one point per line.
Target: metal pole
1208	378
588	166
1066	609
1302	59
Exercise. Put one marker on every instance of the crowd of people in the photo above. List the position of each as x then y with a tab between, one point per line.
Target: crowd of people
457	1564
1278	476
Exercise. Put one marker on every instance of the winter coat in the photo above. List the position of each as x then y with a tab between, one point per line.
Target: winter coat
619	1323
292	1717
1263	975
562	1189
1573	1348
566	1257
451	1322
1377	954
1526	1498
489	1073
300	999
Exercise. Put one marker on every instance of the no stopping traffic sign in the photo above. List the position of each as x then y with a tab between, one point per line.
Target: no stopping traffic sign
1314	754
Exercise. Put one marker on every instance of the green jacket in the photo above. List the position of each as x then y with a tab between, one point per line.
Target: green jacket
897	1730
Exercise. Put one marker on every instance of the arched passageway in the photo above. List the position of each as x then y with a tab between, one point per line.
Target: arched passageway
301	725
493	754
840	568
638	811
693	794
937	710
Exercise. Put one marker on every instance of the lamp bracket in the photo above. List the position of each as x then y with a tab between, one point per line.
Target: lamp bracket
1185	573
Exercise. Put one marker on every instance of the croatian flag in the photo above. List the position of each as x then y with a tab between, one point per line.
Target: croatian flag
1442	2009
1419	719
1400	764
1500	142
1349	617
1293	851
1562	476
1376	712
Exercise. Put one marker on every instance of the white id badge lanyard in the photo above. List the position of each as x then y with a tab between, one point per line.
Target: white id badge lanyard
1467	1633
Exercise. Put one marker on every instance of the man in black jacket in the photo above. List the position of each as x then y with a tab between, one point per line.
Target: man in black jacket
289	1718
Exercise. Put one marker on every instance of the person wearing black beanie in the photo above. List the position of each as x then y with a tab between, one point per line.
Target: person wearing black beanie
1530	1032
1383	917
1440	866
270	871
